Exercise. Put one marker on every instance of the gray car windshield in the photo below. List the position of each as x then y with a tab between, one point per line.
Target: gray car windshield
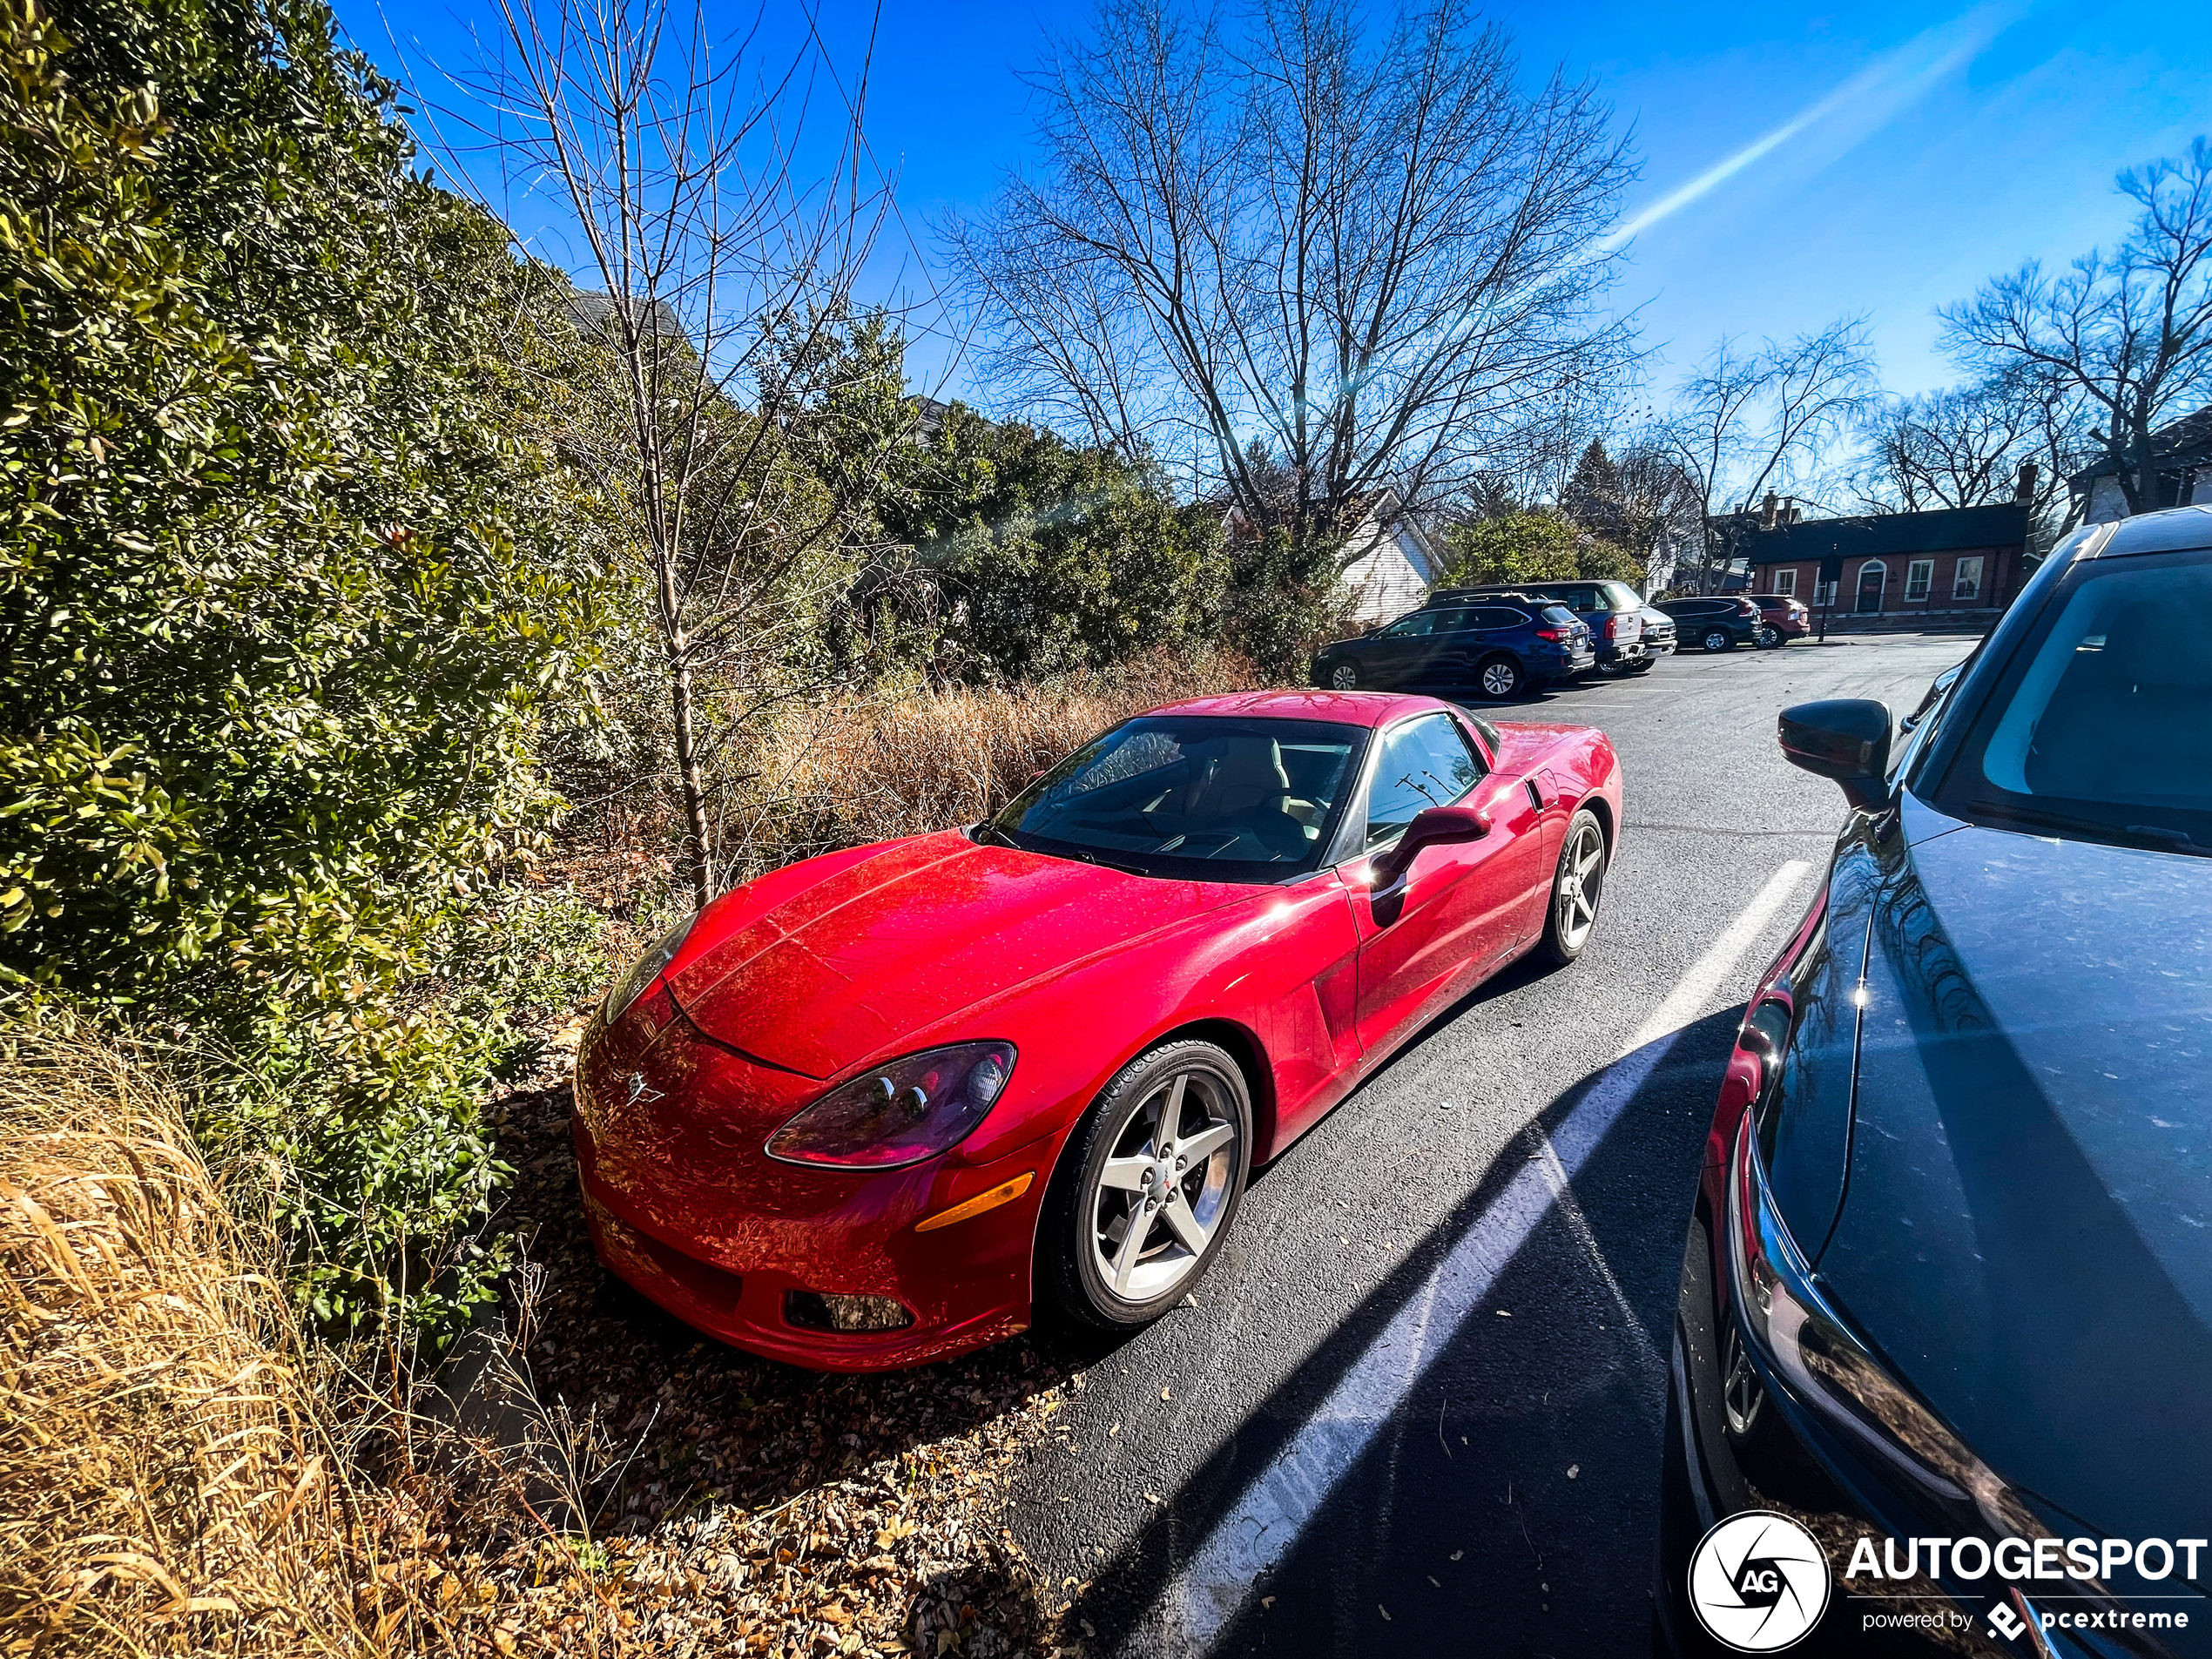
2100	724
1193	797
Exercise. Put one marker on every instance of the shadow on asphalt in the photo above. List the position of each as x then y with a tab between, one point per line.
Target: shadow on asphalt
1510	1505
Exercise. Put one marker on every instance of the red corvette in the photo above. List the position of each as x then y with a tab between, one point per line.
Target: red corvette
868	1110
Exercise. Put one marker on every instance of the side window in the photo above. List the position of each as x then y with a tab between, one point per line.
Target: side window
1453	621
1583	600
1410	627
1424	763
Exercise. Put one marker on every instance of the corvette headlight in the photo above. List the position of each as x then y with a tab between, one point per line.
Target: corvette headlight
646	969
902	1113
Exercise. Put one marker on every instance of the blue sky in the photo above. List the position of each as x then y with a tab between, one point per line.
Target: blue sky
1941	146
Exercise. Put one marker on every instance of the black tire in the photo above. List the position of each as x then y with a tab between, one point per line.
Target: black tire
1769	637
1568	925
1121	1127
1645	666
1614	668
1500	678
1341	677
1717	639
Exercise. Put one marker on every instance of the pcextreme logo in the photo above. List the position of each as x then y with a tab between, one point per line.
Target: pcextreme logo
1758	1582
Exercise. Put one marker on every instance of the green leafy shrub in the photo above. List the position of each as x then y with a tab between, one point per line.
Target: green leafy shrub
287	585
1532	546
1051	558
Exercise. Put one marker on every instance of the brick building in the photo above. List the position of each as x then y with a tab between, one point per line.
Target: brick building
1955	565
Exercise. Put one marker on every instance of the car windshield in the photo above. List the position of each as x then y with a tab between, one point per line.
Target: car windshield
2100	724
1193	798
1622	595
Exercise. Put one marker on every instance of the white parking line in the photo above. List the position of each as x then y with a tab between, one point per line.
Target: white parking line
1282	1500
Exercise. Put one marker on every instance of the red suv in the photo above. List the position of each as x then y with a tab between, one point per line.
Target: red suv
1781	619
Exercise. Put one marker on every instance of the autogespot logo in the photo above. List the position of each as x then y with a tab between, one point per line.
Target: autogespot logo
1758	1582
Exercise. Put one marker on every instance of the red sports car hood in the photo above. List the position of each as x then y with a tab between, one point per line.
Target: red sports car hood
832	971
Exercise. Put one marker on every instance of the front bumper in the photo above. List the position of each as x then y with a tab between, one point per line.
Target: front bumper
685	1207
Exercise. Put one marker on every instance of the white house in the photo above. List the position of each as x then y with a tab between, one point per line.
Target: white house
1392	563
2180	456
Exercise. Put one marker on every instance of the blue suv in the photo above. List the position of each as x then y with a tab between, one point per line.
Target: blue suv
1502	644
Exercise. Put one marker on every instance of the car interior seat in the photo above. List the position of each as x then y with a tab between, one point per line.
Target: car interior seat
1239	783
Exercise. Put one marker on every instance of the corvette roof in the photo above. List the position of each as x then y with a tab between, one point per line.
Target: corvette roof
1346	708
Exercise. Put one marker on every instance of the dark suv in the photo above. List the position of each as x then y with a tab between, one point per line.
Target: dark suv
1504	644
1613	611
1721	623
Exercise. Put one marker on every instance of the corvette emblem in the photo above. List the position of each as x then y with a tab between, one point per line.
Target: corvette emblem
638	1091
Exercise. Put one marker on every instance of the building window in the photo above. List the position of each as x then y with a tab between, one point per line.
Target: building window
1966	585
1785	583
1824	593
1920	577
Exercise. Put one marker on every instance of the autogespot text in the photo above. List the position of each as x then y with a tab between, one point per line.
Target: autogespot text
2022	1559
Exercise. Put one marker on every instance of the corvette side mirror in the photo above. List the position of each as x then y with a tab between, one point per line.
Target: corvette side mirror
1844	737
1432	827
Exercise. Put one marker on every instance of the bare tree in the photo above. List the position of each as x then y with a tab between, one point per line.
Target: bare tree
1965	446
2131	330
1368	255
726	243
1661	511
1747	421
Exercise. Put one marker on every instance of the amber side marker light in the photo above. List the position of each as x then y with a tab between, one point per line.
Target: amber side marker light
1005	1192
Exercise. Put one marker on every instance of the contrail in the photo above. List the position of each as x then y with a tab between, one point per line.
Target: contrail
1898	78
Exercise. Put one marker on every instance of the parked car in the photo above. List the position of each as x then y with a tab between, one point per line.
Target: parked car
1781	619
1507	643
1613	611
1721	623
1950	1260
1658	637
884	1105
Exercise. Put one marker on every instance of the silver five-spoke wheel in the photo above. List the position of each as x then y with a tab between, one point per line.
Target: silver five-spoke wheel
1577	887
1147	1186
1162	1194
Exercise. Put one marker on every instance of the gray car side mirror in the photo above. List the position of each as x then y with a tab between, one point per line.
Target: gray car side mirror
1844	737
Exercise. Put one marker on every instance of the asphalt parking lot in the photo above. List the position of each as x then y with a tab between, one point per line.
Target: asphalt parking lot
1416	1408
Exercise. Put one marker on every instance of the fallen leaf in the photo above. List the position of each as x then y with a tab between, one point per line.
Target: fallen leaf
1574	1469
1166	1392
1503	1314
1151	1497
1384	1611
1266	1601
1113	1431
1457	1553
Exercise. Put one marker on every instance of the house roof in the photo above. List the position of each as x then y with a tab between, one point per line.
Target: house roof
591	310
2177	445
1881	535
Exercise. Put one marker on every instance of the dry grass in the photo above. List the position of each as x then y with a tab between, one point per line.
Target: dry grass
181	1473
164	1486
870	768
